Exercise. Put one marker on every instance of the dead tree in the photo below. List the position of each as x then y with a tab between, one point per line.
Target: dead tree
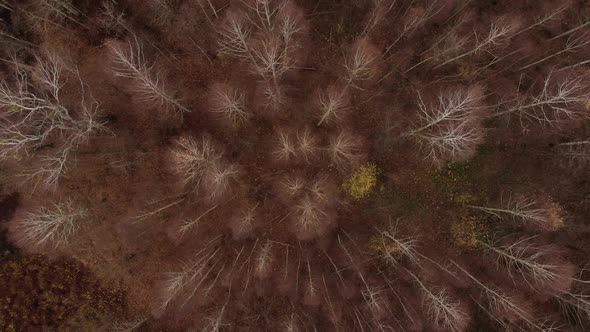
162	10
184	284
229	103
218	179
498	304
537	265
113	20
243	224
361	63
286	148
444	311
395	249
60	10
4	4
307	144
539	213
360	67
575	306
414	18
268	36
129	62
34	116
26	112
345	150
452	129
192	159
215	323
333	103
381	8
574	42
574	155
292	186
310	218
263	262
497	34
557	103
201	166
291	324
193	224
234	36
50	226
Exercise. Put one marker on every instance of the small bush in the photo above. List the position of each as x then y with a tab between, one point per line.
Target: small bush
362	182
469	232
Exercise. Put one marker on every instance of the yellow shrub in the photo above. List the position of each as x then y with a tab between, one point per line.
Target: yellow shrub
468	233
362	182
382	247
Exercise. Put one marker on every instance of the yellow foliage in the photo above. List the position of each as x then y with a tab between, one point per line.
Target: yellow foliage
362	182
468	233
380	246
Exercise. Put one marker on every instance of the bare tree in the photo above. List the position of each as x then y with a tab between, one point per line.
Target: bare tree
539	213
361	64
4	4
556	103
447	47
540	21
129	62
266	35
320	189
307	144
291	324
34	117
310	218
75	132
535	264
443	311
286	147
190	224
191	278
452	129
60	10
163	10
497	34
333	102
498	303
292	185
312	291
229	103
574	42
574	154
345	150
414	18
271	61
25	119
51	226
575	305
375	298
192	159
234	35
215	324
264	261
218	179
394	248
381	8
127	325
113	19
244	223
272	95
